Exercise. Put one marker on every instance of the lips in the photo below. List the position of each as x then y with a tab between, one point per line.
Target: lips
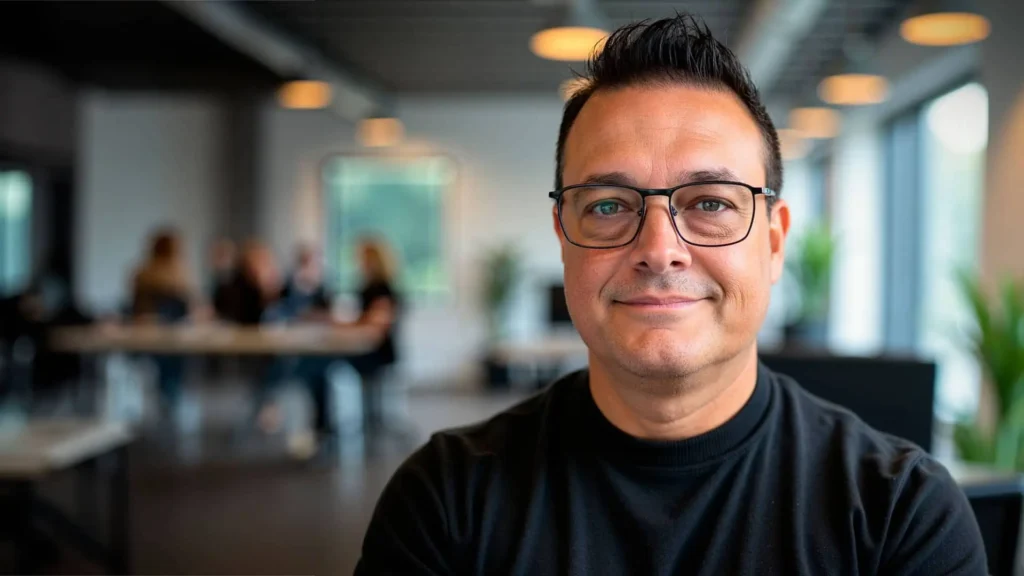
660	301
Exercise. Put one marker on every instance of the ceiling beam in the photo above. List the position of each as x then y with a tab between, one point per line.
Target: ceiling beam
770	33
353	99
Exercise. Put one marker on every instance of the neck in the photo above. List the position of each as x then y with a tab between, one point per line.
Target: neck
674	409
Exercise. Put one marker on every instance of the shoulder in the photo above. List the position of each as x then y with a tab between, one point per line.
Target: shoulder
912	507
821	425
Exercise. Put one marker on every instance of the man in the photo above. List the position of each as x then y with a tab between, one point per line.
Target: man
676	452
304	295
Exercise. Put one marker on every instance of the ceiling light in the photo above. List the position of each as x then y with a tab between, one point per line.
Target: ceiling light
853	89
575	33
792	144
304	94
947	23
815	123
381	131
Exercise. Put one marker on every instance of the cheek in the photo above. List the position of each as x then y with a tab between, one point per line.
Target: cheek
586	274
745	278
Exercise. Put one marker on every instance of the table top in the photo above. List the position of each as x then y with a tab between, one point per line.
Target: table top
48	445
214	339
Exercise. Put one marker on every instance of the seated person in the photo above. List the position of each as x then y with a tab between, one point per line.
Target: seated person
304	295
162	293
379	311
676	451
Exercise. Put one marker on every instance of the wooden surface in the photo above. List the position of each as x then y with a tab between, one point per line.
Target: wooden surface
215	339
43	446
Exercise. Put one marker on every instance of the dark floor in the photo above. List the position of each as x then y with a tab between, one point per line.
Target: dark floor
220	502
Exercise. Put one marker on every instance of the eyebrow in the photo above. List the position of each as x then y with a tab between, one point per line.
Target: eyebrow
685	177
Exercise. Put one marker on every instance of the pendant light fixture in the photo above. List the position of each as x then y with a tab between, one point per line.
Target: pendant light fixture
853	83
380	131
815	123
573	34
945	23
304	94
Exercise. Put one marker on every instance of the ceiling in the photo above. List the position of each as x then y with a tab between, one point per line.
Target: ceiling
125	45
482	45
457	45
400	46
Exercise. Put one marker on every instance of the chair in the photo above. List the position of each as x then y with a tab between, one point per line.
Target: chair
998	502
892	394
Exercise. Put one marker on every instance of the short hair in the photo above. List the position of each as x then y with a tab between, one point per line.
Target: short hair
681	50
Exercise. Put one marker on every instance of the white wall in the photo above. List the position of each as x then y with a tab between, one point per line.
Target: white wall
145	161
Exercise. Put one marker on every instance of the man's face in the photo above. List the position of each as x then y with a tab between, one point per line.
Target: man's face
658	307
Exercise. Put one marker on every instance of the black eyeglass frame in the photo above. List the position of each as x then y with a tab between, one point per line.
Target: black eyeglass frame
646	193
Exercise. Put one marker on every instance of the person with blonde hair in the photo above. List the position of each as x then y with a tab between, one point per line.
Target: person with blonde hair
162	293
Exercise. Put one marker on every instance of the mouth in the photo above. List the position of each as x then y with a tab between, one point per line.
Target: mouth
652	303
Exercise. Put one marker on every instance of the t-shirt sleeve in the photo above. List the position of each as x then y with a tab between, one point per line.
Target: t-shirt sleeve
933	530
409	532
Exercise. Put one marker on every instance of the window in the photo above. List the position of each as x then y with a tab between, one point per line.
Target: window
955	137
935	175
399	199
15	230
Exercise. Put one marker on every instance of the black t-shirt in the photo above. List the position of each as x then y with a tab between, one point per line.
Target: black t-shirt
790	485
385	354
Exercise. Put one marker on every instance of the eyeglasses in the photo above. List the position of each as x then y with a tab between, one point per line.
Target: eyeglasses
711	214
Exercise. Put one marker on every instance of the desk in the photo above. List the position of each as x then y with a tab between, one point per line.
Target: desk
44	447
214	339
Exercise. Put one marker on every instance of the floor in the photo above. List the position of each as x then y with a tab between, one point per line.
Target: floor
218	500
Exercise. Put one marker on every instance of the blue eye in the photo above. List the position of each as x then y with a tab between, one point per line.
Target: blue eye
607	208
711	206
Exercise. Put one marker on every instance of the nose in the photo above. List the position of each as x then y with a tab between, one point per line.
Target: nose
658	248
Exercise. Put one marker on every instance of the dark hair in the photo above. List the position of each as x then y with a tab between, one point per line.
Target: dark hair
679	49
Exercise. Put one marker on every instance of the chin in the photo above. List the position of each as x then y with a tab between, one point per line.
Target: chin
660	354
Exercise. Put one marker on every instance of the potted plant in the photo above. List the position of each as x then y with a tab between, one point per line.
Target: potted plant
998	344
809	264
502	267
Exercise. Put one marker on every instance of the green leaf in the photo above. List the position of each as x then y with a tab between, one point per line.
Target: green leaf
972	445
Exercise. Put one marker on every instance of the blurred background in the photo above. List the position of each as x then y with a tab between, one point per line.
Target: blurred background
252	253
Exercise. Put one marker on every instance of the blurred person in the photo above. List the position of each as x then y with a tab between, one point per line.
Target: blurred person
257	283
380	306
677	450
223	270
304	295
162	293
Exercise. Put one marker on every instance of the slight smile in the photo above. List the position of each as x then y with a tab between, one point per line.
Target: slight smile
659	302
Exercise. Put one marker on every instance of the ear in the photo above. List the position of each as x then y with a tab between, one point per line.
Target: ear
778	229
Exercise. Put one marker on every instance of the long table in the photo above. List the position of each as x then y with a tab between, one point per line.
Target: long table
214	339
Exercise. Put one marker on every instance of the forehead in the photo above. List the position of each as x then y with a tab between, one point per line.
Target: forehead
654	133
